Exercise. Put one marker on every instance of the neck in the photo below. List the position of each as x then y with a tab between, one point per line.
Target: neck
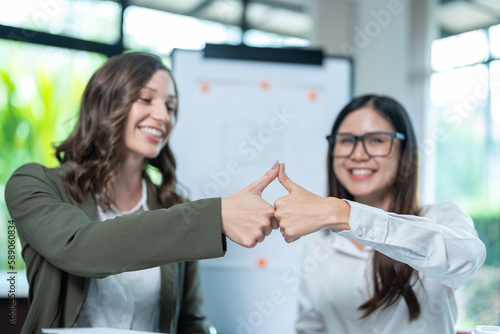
126	187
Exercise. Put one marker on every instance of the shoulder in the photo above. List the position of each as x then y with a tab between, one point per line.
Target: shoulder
446	213
32	173
36	169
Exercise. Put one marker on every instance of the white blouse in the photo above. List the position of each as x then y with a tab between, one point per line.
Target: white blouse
442	245
129	300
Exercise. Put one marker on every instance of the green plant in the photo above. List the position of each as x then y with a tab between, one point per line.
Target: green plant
40	91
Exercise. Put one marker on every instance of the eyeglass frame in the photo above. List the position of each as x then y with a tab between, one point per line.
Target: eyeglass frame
331	142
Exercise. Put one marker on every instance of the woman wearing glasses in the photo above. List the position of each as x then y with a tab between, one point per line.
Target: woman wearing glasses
383	264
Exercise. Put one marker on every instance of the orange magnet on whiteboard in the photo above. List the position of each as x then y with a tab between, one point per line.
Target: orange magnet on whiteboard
205	87
312	95
264	85
261	262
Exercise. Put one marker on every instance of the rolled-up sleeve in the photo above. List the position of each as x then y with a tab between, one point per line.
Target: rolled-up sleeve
442	243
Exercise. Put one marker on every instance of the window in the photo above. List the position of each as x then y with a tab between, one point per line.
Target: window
465	93
101	19
260	38
184	32
173	31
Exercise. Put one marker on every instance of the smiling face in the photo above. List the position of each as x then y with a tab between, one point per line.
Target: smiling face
368	179
151	117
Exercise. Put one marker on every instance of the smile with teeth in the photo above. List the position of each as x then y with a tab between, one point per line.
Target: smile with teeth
361	171
152	132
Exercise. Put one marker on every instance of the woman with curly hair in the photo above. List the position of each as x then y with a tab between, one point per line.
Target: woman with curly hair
106	247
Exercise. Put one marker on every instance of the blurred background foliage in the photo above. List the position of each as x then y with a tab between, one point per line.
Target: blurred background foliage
40	91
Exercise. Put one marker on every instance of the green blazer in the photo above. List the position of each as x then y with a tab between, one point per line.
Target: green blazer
63	246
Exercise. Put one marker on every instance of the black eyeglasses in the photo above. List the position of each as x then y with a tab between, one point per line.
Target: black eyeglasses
376	144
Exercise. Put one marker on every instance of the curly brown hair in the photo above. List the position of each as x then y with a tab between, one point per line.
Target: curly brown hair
90	156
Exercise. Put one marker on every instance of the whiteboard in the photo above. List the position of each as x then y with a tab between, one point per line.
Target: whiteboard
236	119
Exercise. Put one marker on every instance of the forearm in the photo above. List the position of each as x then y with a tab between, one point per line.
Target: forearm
444	249
98	249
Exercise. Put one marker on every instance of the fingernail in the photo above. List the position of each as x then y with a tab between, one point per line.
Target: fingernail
276	165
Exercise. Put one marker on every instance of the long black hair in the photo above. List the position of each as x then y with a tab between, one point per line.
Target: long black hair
392	279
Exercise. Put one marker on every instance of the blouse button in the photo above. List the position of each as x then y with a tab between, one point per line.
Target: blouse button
359	233
371	235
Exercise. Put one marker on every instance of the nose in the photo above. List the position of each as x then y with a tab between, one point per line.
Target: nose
359	152
161	114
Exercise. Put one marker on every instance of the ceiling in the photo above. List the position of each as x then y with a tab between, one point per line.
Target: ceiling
292	18
457	16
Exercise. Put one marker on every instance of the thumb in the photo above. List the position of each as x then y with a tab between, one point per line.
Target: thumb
285	180
261	184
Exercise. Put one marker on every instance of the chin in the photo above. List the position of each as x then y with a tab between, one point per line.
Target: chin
360	191
152	155
359	194
153	152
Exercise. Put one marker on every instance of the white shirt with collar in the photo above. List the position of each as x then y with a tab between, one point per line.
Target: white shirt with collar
442	245
129	300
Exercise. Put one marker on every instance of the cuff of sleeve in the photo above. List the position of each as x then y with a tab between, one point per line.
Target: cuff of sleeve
367	223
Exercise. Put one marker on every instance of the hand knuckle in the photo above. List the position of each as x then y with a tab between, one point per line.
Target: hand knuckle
264	222
250	243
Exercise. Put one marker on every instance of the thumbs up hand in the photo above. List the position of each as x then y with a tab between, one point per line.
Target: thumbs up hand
246	218
301	212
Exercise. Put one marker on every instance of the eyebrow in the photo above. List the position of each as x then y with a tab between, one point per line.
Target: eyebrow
155	91
150	88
